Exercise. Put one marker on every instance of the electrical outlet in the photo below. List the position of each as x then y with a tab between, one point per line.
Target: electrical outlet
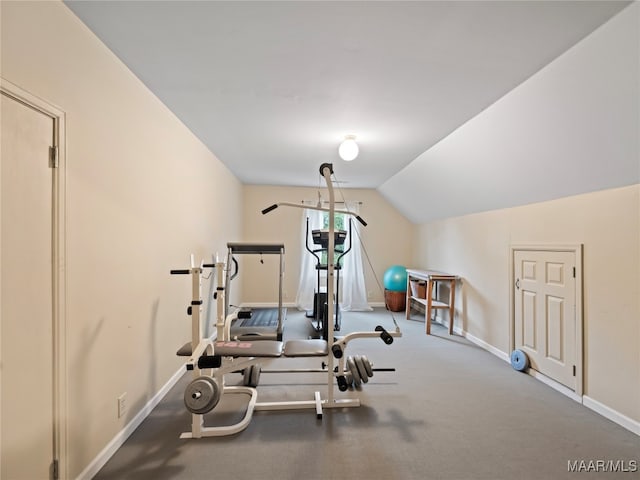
122	404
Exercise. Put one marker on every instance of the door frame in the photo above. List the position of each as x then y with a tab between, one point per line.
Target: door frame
577	250
60	440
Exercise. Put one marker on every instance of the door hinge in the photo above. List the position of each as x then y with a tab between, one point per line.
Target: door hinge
53	157
574	272
574	370
55	470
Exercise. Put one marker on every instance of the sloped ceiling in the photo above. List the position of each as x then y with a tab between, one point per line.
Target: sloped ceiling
272	87
572	128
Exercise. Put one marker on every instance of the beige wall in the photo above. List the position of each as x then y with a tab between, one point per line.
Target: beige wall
142	193
387	238
607	223
579	113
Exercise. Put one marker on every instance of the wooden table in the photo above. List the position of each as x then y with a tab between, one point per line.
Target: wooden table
432	278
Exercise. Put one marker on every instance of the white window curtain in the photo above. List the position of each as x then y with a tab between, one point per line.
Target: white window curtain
354	291
353	295
307	283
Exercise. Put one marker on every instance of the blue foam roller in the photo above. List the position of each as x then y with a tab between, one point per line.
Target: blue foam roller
519	360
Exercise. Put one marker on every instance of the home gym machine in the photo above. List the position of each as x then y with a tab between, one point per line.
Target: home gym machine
319	314
255	323
210	360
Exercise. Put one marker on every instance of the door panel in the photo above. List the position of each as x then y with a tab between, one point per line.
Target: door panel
26	374
545	317
528	270
555	273
555	323
529	319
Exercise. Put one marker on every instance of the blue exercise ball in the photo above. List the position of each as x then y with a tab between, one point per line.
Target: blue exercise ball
395	278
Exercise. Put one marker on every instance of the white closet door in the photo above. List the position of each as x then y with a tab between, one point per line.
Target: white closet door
26	374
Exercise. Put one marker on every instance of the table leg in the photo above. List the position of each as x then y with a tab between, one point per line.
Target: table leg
427	313
452	307
408	299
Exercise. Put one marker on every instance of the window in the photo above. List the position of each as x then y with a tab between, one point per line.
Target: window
340	224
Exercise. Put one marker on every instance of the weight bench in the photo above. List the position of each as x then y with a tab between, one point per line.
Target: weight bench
223	357
264	348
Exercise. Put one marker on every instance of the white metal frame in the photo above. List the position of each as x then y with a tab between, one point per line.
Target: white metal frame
202	345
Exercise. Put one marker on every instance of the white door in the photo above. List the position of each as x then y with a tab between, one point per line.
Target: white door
26	350
545	314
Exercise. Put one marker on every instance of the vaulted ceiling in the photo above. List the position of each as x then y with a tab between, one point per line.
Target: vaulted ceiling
272	87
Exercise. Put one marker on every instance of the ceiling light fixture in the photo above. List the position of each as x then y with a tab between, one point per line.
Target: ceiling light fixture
348	149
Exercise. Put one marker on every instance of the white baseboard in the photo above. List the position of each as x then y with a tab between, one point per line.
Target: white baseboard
290	304
555	385
481	343
107	452
507	358
613	415
607	412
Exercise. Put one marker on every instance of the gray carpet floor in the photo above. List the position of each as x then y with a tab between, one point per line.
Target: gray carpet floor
450	411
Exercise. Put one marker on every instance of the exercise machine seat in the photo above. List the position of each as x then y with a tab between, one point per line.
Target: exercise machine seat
306	348
185	350
262	348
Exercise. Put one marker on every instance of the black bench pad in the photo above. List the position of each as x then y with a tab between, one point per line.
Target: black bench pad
264	348
261	348
306	348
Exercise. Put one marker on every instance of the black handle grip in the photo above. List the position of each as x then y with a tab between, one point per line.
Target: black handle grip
180	272
384	335
361	220
268	209
209	361
208	265
343	386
